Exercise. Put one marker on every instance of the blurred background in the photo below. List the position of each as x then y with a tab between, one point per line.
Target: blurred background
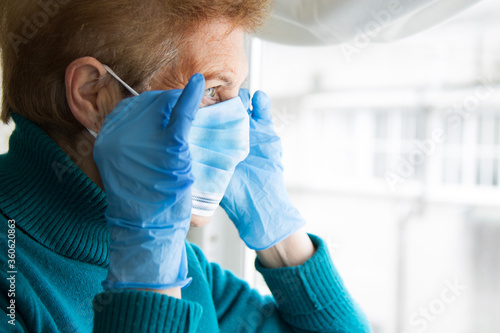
392	155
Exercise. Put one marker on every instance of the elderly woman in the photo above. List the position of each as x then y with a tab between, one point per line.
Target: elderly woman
130	126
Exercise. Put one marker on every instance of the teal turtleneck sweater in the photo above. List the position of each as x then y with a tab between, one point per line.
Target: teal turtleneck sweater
61	256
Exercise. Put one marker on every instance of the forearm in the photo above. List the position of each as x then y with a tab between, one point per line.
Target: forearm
311	297
294	250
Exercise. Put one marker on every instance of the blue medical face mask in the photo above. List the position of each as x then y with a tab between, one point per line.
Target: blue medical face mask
219	139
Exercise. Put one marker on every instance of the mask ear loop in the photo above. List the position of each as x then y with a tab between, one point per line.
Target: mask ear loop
110	71
132	91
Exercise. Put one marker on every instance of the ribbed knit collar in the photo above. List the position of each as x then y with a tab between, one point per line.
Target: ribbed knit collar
50	198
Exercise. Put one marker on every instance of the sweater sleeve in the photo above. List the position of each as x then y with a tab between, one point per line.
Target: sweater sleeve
312	297
306	298
129	310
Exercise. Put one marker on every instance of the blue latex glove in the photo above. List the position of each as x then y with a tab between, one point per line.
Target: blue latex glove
143	157
256	199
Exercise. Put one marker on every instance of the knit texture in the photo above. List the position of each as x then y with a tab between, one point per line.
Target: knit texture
61	257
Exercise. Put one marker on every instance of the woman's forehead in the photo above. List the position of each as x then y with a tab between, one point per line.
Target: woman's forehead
214	50
217	54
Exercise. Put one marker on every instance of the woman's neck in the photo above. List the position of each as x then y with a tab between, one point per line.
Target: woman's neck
80	150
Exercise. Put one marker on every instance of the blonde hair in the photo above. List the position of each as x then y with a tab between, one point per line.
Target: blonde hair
39	39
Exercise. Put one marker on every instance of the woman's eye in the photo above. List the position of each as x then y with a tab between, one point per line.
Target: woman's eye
210	92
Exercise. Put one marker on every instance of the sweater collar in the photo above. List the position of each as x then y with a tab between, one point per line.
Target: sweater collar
50	198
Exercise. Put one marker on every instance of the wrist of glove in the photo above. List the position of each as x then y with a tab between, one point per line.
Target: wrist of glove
146	257
256	199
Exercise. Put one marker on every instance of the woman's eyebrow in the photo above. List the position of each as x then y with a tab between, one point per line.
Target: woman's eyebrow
225	77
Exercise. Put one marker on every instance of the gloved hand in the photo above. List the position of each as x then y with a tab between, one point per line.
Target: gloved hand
143	157
256	199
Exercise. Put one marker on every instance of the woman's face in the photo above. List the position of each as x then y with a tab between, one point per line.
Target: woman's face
220	57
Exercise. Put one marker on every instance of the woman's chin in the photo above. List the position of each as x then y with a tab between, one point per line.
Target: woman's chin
199	221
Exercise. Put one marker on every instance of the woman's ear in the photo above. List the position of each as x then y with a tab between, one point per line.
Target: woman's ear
89	101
